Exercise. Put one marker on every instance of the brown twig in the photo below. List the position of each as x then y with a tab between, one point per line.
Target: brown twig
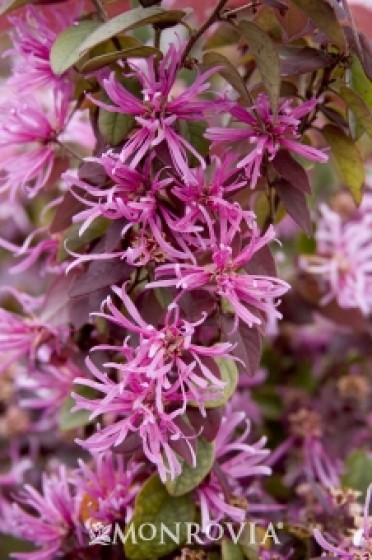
101	12
215	16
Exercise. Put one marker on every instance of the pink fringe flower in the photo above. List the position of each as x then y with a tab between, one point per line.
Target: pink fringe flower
268	133
49	518
247	294
161	375
158	113
236	460
343	259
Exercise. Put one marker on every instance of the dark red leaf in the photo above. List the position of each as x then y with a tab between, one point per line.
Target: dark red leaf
295	61
100	274
294	202
248	344
66	210
208	425
292	171
262	263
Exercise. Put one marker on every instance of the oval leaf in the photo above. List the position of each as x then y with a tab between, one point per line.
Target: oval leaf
323	15
138	51
73	241
358	107
10	5
64	52
267	59
114	126
361	83
348	159
231	551
294	202
229	374
126	21
155	506
191	476
227	71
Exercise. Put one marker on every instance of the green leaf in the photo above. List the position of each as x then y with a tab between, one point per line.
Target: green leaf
193	132
69	420
65	51
155	506
114	126
126	21
192	476
348	159
358	473
231	551
323	15
229	374
358	107
361	83
73	241
267	59
227	71
10	5
139	51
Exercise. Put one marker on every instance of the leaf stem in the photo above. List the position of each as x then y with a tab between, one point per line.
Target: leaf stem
215	15
101	12
234	11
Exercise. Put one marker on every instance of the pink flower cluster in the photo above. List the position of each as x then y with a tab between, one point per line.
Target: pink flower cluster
180	250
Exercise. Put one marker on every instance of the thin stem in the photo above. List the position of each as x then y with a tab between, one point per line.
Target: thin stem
215	15
101	12
69	150
234	11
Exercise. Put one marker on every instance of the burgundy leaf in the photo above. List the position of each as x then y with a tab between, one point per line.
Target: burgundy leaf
295	203
292	171
92	173
100	274
208	425
182	447
248	344
295	61
66	210
262	263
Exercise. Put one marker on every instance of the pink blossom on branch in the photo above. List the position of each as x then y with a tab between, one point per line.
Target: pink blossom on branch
343	259
249	295
34	34
160	376
33	128
236	460
158	112
267	133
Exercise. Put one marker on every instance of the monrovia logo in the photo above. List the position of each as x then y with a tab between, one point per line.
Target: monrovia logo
249	533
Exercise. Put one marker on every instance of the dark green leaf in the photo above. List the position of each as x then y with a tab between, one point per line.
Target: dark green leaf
73	241
114	126
138	51
69	420
65	51
227	71
231	551
192	476
229	374
361	83
126	21
154	505
358	474
193	132
358	107
324	17
267	59
349	161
